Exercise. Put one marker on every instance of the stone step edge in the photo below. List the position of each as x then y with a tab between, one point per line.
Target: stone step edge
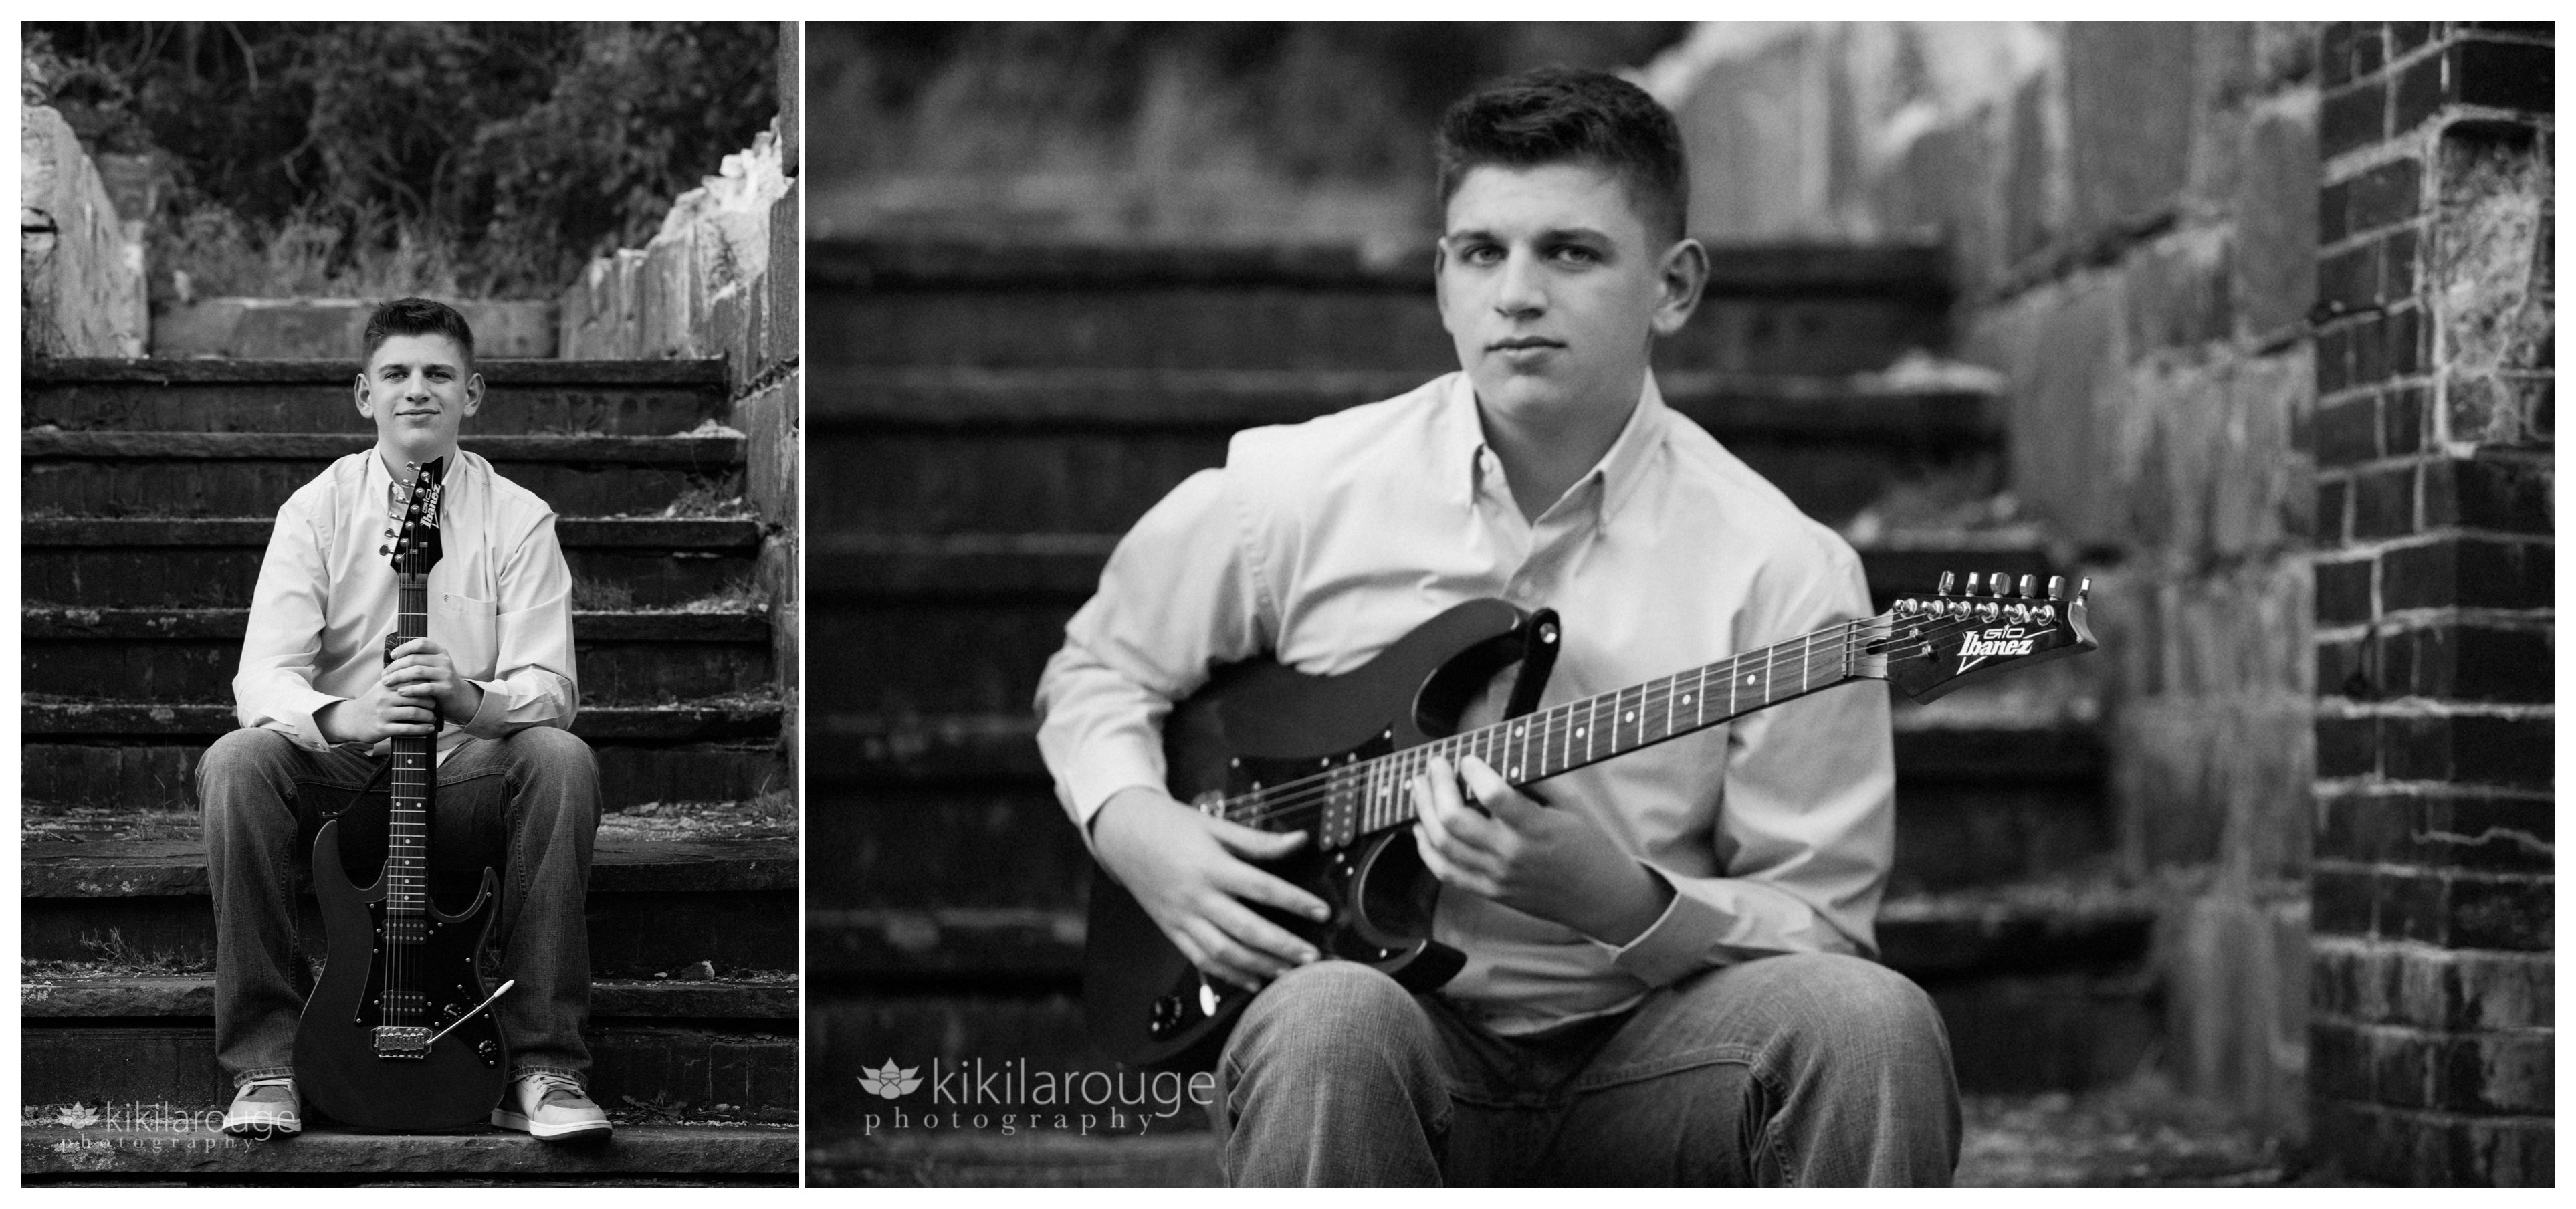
56	1150
123	623
192	996
701	452
1908	270
1982	746
685	722
1952	406
1955	934
177	868
504	372
661	533
872	565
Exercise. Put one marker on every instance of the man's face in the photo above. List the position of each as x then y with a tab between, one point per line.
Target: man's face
418	392
1551	287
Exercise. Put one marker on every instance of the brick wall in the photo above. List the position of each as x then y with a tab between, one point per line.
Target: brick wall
2431	1037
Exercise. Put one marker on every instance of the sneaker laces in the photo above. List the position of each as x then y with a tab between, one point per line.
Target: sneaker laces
548	1082
285	1081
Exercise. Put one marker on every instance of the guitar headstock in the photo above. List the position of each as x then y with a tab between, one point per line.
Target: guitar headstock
412	542
1933	644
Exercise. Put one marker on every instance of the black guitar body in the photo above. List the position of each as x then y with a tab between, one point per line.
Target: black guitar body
452	1085
1262	723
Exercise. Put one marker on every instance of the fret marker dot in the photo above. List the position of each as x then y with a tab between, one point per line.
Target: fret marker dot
1748	678
1578	732
1516	731
1686	698
1630	716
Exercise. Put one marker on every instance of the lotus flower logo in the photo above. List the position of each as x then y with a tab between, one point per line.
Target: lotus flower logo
78	1116
890	1081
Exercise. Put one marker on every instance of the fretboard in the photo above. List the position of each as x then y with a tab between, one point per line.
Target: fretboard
1363	797
413	776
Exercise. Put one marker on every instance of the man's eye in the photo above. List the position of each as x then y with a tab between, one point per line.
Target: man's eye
1482	254
1578	255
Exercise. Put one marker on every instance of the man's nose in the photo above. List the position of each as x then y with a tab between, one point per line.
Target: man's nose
1520	291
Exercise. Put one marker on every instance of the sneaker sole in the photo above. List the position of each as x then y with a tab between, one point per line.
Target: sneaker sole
506	1119
263	1131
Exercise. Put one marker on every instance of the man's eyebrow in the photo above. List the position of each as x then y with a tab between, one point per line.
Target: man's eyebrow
1551	235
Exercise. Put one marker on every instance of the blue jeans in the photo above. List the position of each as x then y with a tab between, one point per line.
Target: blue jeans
534	828
1802	1069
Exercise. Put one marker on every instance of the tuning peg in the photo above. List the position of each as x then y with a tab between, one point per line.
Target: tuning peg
1998	584
384	549
2083	588
1948	581
2029	587
2057	587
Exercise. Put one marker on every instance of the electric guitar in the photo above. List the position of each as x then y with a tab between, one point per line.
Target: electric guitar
397	1035
1269	747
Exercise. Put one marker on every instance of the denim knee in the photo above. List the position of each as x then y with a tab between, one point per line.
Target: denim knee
1853	998
1330	1010
244	755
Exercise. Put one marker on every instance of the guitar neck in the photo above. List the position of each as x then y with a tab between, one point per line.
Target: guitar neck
412	778
1364	797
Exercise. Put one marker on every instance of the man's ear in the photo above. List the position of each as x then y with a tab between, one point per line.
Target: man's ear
366	404
1439	279
473	393
1679	279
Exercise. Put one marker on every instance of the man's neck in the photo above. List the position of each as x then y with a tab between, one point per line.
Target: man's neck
1544	455
400	464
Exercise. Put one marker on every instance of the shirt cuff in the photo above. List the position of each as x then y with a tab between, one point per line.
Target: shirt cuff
1676	945
296	713
491	718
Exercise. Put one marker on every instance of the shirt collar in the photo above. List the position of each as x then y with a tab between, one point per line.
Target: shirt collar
1616	476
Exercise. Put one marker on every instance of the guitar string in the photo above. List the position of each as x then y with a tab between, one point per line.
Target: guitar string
1272	802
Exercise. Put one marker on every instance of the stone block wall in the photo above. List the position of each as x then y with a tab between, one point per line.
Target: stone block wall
2130	214
81	288
722	279
2432	1037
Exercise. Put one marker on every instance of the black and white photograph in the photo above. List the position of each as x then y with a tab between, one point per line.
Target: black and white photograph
1340	554
408	642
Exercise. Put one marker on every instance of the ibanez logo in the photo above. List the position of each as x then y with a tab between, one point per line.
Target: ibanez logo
2007	641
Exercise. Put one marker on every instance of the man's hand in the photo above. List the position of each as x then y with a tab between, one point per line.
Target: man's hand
1553	864
421	670
378	713
1188	872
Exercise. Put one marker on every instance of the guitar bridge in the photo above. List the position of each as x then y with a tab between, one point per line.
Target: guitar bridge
402	1042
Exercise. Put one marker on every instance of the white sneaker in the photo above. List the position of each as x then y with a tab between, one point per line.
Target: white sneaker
265	1109
550	1108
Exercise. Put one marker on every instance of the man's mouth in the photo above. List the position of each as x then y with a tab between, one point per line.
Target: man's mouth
1521	343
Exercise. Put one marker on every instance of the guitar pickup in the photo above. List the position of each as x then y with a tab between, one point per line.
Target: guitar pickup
402	1042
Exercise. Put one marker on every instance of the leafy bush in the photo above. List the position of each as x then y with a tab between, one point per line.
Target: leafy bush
484	159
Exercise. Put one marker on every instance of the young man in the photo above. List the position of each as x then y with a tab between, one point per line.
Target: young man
1666	978
318	698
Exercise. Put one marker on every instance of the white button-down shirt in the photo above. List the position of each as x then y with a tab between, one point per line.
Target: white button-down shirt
1322	543
500	601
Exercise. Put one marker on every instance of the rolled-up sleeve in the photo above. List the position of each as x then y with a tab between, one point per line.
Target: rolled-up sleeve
533	680
1177	596
1808	813
273	688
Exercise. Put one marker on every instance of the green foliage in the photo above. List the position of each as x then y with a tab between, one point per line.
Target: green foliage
487	159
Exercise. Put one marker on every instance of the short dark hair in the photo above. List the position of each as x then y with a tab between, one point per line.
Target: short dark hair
418	317
1555	115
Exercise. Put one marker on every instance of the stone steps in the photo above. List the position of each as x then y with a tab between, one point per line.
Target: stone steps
157	474
646	1154
629	398
150	1040
1770	310
2038	990
213	562
657	904
624	657
941	450
143	755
